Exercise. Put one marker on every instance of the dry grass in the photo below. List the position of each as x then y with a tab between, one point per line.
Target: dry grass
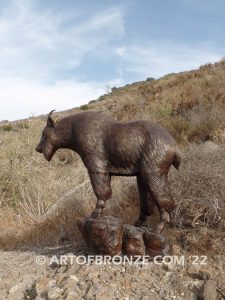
40	202
197	190
199	187
191	105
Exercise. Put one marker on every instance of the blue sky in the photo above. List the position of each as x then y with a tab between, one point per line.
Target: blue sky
61	54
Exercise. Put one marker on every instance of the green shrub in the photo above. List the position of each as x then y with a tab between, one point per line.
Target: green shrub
150	79
114	89
101	98
7	127
92	101
84	107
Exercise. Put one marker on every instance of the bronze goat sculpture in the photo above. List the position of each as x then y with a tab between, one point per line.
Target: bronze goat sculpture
110	148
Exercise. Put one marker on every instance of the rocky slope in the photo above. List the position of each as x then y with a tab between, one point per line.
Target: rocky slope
22	277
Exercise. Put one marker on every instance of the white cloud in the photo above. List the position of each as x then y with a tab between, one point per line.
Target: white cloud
111	19
159	59
121	51
40	44
22	99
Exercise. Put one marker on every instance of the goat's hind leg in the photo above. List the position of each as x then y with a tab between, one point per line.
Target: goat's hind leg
159	188
102	189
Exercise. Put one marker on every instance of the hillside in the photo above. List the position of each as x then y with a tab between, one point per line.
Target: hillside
40	202
190	105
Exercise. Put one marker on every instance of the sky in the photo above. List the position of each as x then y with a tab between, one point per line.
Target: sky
61	54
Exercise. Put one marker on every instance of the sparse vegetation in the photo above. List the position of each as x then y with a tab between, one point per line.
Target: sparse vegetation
23	125
114	89
92	101
102	98
7	127
150	79
84	107
51	196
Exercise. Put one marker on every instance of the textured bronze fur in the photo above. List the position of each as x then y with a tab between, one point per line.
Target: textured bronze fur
111	148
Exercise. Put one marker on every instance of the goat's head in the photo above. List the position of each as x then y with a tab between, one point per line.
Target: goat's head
48	144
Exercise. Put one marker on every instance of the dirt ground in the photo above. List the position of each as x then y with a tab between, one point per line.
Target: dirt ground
63	272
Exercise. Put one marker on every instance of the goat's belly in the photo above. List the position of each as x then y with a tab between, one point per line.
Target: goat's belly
123	174
118	171
125	164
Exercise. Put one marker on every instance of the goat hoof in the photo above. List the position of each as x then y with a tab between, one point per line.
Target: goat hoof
160	228
95	215
138	223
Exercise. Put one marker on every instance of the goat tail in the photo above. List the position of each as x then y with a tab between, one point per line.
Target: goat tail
177	159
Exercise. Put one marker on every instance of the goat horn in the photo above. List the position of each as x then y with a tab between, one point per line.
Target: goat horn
49	115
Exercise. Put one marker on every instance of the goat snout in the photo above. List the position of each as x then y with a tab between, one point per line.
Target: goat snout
38	149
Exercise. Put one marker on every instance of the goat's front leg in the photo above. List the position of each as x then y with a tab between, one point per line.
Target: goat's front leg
102	189
146	202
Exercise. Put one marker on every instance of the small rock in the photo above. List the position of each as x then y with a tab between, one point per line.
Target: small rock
209	290
191	296
152	297
15	288
28	281
16	292
73	277
42	285
104	294
219	262
168	275
71	295
200	272
52	283
169	267
54	293
95	280
26	286
91	292
176	250
31	292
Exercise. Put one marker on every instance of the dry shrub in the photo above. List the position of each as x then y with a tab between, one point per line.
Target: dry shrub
26	179
173	101
202	123
60	221
190	105
197	190
199	187
178	127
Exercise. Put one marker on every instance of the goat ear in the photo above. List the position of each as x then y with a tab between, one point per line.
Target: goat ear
50	121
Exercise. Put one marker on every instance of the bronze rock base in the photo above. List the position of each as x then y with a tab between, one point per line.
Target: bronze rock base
108	235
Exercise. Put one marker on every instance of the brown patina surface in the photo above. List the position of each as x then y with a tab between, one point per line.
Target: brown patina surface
110	236
111	148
